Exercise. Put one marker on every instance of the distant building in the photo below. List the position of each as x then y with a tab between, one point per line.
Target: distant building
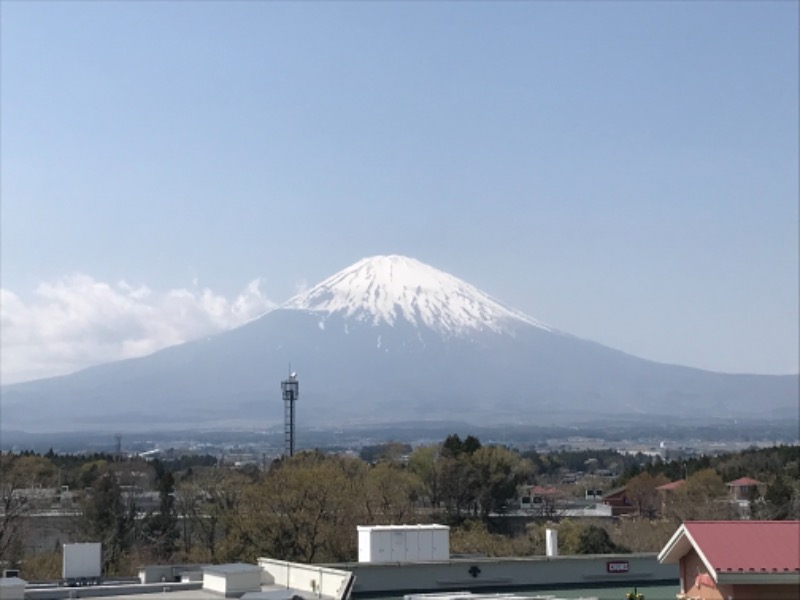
539	501
741	492
736	560
743	488
619	502
593	494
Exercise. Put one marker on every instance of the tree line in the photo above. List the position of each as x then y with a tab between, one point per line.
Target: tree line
306	508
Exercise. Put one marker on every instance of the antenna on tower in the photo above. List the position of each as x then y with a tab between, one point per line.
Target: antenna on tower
291	391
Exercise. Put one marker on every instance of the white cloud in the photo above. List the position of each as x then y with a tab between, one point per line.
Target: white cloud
76	322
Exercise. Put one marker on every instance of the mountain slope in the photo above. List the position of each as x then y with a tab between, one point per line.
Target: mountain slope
387	339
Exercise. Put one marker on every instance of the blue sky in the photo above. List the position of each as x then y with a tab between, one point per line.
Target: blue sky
626	172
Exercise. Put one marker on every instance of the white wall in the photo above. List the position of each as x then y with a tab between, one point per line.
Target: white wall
82	560
12	588
232	579
403	543
313	579
499	573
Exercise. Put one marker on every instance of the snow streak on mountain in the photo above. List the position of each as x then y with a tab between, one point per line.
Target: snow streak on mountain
384	289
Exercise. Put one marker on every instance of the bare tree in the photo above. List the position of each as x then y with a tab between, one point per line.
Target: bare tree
641	490
21	481
391	493
208	502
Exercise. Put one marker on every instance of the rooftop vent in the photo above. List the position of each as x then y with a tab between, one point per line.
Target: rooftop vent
232	580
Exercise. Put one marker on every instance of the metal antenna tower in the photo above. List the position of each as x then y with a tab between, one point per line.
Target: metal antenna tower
291	390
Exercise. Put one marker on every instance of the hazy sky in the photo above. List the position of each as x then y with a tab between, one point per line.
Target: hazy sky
626	172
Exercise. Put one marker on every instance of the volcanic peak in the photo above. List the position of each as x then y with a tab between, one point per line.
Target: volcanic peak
385	289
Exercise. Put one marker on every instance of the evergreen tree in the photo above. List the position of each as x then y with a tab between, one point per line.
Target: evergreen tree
108	519
452	446
471	445
778	500
161	528
595	540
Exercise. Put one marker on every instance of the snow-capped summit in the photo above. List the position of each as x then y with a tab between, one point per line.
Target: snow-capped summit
386	289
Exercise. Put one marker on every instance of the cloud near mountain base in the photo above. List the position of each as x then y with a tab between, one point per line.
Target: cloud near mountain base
76	322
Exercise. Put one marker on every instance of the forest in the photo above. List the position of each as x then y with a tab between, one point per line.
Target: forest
306	508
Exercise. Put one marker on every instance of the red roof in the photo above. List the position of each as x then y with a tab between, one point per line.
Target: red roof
744	482
747	546
672	485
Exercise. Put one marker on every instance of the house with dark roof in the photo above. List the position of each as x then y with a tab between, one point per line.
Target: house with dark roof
736	560
619	502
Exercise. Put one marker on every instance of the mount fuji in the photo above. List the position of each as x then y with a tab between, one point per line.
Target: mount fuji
387	339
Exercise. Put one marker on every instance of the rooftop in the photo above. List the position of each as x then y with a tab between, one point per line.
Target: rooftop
743	482
672	485
740	547
431	526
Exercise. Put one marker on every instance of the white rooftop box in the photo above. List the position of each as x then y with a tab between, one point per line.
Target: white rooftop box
12	588
82	561
232	580
403	543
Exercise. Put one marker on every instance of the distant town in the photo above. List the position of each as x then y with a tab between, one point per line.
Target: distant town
668	440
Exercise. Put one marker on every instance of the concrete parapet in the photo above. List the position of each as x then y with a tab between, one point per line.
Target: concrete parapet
61	593
323	582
